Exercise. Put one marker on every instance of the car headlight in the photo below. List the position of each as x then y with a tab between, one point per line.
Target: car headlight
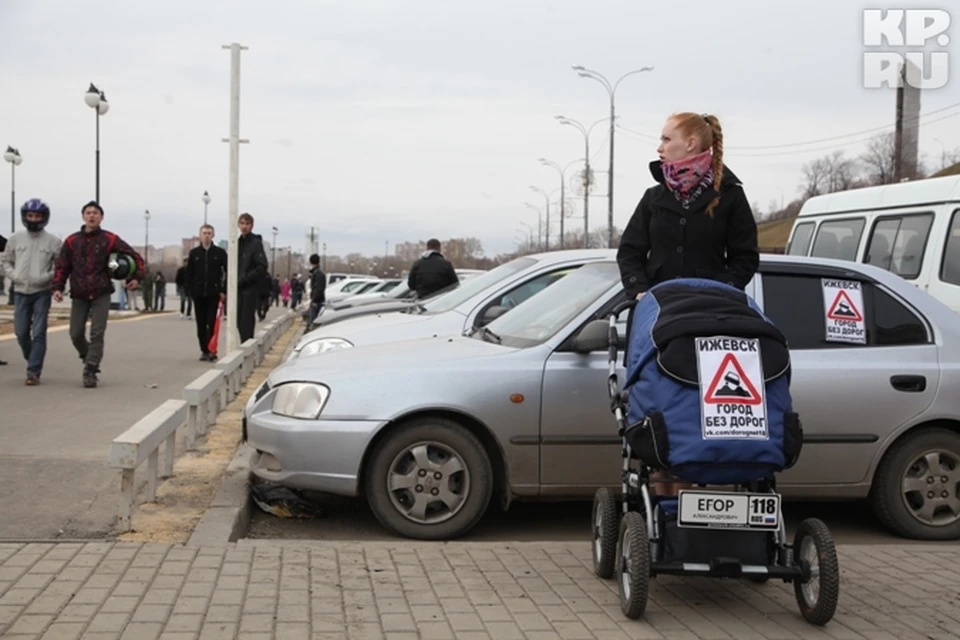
303	400
323	346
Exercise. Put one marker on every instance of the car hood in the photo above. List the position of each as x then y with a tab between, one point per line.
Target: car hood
335	313
388	327
405	359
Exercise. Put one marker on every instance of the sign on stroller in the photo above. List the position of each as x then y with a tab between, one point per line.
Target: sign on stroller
706	402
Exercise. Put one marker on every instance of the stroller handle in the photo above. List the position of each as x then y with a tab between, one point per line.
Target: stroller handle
623	306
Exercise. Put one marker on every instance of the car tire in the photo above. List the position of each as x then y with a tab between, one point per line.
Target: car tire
913	459
422	510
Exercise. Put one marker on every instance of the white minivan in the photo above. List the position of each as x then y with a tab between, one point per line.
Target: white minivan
911	229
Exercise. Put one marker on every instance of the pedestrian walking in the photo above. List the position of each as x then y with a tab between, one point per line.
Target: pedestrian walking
285	292
296	291
252	268
318	287
275	290
695	222
28	261
160	292
147	289
205	281
183	291
431	272
84	260
3	245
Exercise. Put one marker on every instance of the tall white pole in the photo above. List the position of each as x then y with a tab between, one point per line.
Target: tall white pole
232	333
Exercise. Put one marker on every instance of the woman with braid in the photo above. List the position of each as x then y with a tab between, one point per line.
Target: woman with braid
694	223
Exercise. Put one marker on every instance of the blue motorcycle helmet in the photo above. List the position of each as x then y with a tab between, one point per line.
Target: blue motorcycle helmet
35	205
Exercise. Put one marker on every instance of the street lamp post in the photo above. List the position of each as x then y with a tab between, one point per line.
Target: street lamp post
324	261
97	100
206	201
13	156
539	224
563	185
583	72
273	250
146	238
546	198
587	177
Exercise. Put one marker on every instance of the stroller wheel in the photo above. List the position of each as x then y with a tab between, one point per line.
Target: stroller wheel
633	565
605	531
817	598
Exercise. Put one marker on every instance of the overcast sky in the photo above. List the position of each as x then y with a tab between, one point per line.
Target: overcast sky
397	120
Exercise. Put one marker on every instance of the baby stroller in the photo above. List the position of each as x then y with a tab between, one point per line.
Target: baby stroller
707	401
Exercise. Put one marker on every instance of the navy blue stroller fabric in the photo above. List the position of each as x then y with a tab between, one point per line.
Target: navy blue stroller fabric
666	423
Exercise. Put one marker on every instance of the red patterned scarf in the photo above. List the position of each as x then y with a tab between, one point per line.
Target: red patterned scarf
687	178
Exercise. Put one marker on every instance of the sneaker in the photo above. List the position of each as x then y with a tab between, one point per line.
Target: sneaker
204	357
212	357
181	316
32	380
89	378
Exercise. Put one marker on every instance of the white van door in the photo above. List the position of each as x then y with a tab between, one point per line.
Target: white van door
944	258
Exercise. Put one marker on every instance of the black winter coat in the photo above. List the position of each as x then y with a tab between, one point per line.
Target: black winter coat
252	266
664	241
206	274
430	274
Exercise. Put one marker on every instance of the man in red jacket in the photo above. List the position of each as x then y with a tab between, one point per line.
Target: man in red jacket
85	260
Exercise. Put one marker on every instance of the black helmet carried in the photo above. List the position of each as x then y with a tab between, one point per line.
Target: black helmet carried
35	205
122	266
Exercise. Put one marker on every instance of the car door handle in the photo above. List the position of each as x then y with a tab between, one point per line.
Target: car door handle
909	383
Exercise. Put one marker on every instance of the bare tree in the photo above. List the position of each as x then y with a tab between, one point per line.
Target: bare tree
815	176
878	159
842	172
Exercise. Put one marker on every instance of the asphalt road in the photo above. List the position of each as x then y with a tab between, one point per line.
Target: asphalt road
55	437
850	523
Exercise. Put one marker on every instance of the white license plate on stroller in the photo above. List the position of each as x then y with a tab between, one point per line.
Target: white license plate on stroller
729	510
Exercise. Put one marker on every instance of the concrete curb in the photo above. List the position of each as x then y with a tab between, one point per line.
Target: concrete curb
228	518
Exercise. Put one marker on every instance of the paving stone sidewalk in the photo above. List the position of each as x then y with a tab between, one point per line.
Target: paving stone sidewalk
468	591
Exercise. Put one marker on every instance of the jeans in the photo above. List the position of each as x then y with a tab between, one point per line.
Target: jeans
160	299
247	303
30	325
315	308
206	316
98	310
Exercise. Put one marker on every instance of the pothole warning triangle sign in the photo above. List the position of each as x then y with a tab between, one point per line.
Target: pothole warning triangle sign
732	393
732	385
843	308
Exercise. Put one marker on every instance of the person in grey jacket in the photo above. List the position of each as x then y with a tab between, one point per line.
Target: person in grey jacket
29	263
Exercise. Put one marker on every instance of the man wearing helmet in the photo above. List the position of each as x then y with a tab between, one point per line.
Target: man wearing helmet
29	263
85	259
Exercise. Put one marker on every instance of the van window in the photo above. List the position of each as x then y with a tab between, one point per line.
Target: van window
838	239
897	244
800	242
950	269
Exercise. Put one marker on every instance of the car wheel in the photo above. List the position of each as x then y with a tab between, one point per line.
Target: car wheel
916	490
429	479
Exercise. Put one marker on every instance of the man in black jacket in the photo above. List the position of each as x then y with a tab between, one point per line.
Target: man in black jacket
183	290
318	286
206	283
431	272
252	269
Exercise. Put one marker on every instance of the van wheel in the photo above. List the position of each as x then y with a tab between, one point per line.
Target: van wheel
916	491
429	479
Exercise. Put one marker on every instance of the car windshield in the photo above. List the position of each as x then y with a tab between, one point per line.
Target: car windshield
473	286
541	316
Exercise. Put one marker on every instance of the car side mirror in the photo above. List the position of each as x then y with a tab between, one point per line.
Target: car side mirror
493	313
594	337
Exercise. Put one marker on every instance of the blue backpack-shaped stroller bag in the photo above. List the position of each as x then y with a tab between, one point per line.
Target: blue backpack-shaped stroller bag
708	385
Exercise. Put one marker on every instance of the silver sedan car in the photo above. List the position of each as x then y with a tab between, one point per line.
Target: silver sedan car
472	304
429	431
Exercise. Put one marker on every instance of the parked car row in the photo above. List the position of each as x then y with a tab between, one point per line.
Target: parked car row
496	390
